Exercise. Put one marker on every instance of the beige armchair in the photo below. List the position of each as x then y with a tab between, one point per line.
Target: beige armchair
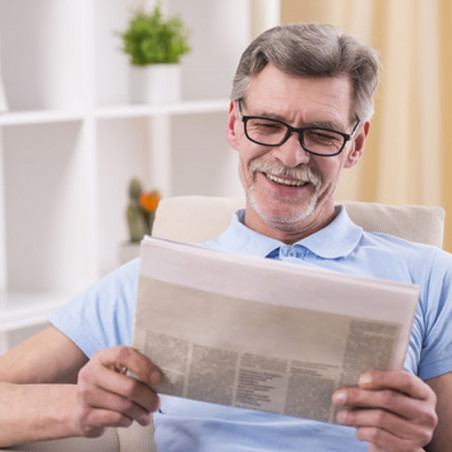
195	219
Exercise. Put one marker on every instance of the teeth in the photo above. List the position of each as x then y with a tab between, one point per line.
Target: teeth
291	182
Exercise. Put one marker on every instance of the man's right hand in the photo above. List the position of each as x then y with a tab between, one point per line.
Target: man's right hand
107	397
49	389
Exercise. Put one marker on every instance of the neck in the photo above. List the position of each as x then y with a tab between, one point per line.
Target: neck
289	232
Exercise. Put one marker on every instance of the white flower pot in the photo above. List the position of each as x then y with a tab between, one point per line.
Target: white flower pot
155	84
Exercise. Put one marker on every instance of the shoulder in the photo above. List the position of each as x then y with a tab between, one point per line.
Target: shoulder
388	257
119	285
404	249
102	316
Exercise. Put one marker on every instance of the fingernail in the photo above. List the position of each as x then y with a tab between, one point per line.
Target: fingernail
145	420
155	377
365	380
339	398
341	416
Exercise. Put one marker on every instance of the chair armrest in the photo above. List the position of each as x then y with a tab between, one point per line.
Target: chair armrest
134	438
108	442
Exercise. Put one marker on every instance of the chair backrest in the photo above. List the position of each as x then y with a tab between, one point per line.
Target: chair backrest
195	219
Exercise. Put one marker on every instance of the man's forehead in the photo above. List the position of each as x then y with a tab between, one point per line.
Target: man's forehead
274	92
272	77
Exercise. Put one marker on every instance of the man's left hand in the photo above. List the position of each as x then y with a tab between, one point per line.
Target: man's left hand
393	410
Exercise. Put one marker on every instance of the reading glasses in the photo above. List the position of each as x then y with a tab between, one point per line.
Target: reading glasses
314	140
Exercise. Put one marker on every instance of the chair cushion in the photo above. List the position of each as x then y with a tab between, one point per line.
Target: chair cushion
195	219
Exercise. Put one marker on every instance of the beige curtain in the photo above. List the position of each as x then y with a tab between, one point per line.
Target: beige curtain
406	159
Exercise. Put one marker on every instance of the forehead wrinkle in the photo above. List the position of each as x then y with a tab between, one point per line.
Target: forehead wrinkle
298	101
327	124
266	114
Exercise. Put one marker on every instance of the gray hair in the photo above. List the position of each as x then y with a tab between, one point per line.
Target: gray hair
312	50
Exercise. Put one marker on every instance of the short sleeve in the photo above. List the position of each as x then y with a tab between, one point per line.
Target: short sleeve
103	315
436	304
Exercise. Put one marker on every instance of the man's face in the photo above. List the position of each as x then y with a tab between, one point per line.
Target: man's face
289	192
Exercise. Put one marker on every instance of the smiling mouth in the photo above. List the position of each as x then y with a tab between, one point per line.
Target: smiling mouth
284	181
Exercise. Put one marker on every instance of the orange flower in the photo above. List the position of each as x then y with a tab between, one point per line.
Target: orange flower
149	200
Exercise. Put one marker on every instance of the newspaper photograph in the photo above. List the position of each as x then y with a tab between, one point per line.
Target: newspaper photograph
260	334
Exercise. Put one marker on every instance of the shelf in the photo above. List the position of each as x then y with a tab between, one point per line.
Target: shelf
39	117
21	310
117	111
72	141
187	107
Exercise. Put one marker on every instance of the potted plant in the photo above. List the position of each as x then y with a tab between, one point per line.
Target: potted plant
141	210
155	45
140	215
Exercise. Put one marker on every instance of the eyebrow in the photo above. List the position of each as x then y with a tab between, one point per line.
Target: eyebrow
326	125
323	124
271	115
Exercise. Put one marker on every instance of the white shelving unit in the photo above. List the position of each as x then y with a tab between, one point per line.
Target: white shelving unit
71	140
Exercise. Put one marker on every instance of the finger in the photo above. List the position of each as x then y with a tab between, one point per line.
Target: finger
389	400
383	441
127	387
400	428
95	379
102	400
397	380
127	358
95	422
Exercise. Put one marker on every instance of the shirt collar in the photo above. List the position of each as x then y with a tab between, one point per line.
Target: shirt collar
337	239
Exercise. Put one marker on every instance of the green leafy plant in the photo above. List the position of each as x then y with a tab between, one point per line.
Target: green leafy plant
152	38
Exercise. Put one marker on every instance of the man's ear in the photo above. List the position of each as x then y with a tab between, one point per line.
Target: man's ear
357	150
231	133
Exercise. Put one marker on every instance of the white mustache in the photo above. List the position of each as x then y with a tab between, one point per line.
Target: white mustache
301	172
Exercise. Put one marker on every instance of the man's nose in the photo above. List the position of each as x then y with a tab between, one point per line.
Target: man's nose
291	153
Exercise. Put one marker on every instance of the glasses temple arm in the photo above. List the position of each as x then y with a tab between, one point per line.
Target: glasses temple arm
358	122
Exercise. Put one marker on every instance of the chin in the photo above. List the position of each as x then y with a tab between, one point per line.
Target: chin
282	217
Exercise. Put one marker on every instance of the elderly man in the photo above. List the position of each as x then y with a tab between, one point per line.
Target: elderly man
300	111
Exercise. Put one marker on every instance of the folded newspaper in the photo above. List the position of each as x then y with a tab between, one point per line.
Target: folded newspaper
261	334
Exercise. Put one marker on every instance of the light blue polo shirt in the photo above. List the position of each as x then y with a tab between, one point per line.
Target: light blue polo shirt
103	317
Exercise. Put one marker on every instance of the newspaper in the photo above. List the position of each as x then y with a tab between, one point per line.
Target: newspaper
260	334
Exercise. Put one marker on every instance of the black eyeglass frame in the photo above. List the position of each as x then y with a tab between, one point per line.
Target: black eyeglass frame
300	130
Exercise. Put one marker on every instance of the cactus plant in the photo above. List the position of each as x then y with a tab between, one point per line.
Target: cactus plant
135	188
